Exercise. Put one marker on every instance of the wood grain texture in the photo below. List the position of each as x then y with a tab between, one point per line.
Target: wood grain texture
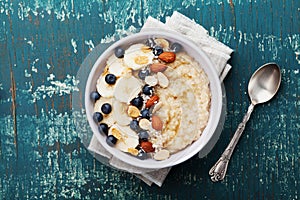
42	45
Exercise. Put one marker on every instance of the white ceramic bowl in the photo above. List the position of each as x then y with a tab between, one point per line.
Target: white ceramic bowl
215	110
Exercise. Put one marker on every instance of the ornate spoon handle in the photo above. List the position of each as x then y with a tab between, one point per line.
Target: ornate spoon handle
218	171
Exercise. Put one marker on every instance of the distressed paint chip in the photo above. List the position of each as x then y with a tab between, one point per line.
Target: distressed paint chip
90	44
51	88
74	45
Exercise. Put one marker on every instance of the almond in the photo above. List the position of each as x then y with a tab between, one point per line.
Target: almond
157	124
158	67
167	57
147	146
162	155
151	101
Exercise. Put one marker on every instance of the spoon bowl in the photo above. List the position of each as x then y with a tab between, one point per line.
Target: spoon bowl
264	83
262	87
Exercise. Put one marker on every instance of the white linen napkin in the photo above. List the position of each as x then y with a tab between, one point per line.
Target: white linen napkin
219	55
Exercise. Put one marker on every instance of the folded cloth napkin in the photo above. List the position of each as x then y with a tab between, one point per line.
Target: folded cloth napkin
217	52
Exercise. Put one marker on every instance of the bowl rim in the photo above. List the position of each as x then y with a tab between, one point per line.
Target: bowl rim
207	66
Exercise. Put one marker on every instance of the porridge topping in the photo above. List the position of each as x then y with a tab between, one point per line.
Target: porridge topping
152	99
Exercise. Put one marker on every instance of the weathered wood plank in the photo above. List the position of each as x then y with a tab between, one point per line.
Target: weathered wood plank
43	43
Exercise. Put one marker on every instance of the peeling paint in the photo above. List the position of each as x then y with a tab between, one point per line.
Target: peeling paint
120	33
26	74
297	53
188	3
108	39
74	45
50	77
33	67
51	88
265	42
90	44
29	42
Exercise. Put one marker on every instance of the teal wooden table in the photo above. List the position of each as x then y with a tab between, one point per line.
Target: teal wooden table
42	45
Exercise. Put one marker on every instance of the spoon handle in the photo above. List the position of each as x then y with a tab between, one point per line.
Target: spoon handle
218	171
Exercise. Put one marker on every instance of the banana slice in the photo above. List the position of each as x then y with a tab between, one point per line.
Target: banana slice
107	118
115	65
127	88
138	56
104	89
120	113
127	138
128	131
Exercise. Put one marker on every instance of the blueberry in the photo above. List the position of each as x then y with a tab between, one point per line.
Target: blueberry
142	155
111	140
103	128
147	89
157	50
119	52
143	73
95	96
134	125
106	108
150	42
137	102
145	113
110	79
176	47
97	117
143	135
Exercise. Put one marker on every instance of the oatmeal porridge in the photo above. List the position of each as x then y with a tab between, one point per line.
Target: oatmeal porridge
152	99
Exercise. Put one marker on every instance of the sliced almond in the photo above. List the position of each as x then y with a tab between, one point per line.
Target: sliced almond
157	106
145	124
162	155
162	42
151	80
163	81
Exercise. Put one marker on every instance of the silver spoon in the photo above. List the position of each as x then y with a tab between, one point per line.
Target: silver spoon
263	85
